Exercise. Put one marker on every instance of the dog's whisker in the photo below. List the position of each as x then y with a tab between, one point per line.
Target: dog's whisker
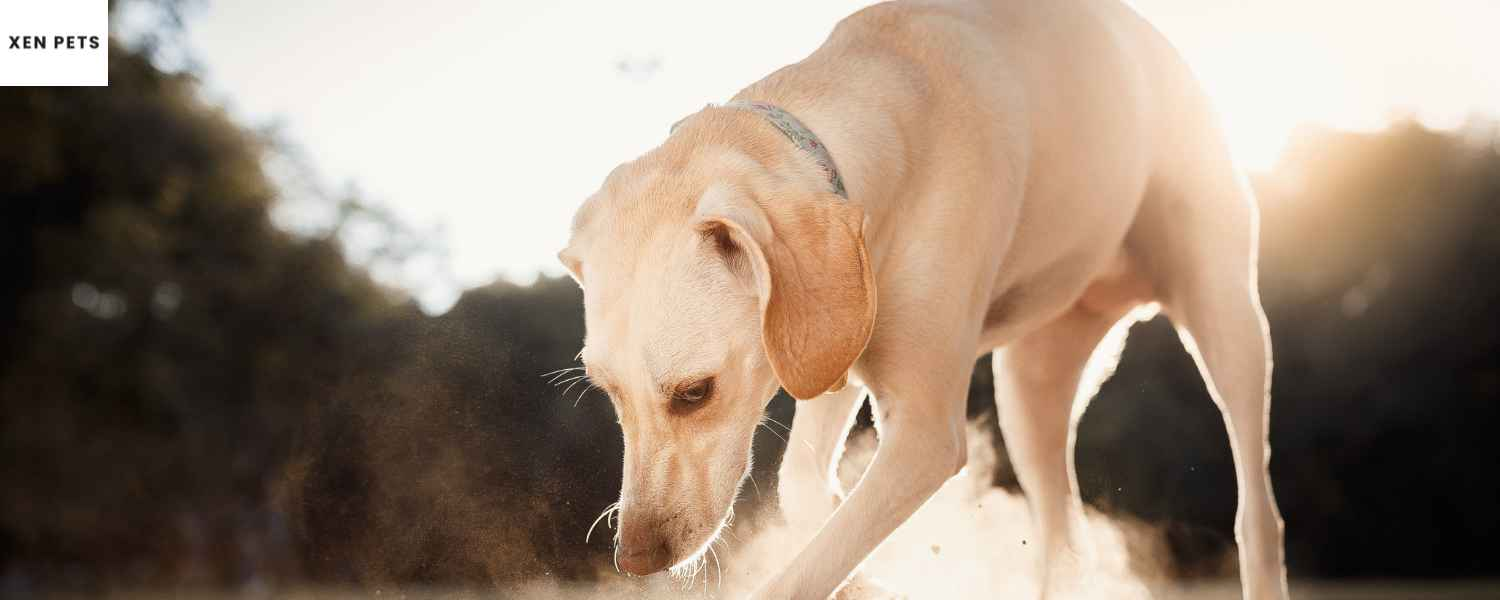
586	389
564	375
776	433
569	382
783	425
604	516
718	568
570	387
686	573
560	380
562	370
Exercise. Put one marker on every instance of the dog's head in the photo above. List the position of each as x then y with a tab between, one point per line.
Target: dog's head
711	274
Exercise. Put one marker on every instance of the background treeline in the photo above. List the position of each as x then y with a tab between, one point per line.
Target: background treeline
190	396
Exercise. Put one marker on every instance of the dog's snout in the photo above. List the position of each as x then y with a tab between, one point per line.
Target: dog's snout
642	551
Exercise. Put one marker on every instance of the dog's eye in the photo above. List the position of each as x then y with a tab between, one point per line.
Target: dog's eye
694	393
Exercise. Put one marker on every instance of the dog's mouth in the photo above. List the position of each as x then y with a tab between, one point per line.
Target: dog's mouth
690	564
672	518
681	552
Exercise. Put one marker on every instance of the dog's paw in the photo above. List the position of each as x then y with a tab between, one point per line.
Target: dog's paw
863	587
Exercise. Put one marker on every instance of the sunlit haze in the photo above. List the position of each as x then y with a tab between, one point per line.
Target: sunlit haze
494	120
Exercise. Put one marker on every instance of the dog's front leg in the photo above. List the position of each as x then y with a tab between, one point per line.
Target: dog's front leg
921	446
809	488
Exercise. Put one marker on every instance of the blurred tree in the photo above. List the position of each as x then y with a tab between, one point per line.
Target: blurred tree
160	340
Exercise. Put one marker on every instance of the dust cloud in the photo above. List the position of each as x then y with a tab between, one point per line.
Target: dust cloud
971	540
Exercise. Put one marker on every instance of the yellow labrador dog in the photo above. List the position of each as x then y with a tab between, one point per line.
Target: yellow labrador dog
937	181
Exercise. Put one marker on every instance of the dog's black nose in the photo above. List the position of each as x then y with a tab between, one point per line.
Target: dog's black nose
644	558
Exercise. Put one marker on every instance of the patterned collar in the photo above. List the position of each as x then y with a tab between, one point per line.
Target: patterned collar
799	134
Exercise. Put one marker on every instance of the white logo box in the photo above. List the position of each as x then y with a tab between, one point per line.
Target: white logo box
54	42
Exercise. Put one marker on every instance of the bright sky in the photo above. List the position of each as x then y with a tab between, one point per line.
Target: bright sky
496	119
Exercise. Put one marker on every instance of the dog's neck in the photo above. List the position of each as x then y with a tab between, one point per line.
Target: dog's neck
865	130
802	137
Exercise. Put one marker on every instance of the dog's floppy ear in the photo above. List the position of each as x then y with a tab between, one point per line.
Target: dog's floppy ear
569	256
806	257
575	268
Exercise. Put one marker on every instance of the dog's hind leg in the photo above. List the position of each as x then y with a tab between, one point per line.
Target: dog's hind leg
1040	390
1198	231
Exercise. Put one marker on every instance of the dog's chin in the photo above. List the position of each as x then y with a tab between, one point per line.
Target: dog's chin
691	553
687	566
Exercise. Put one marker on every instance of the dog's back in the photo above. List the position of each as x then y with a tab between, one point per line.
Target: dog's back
1053	118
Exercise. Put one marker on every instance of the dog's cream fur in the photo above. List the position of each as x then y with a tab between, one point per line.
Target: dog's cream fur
1021	175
